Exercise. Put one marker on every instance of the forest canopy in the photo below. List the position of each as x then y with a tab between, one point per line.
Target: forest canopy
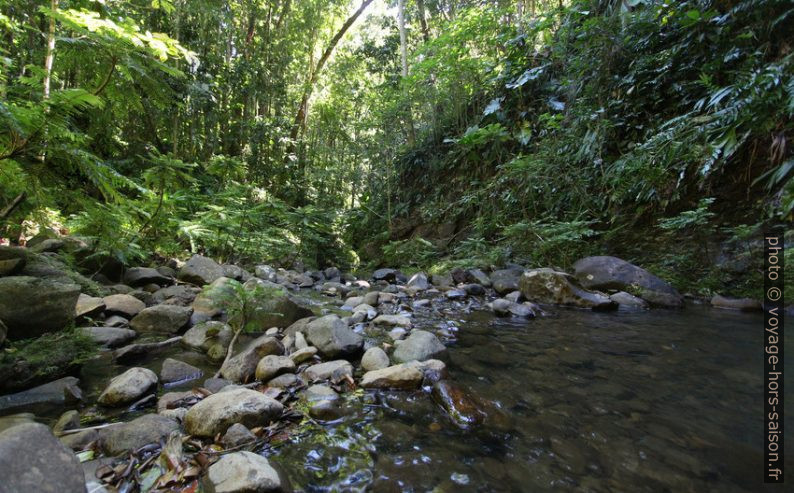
411	132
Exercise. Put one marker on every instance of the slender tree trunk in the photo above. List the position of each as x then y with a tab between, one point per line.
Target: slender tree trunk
404	60
50	56
420	6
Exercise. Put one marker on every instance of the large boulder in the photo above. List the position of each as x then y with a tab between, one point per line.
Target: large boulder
141	276
242	367
128	387
32	459
12	260
611	273
374	358
418	282
332	337
200	270
50	395
174	370
216	413
336	370
420	345
88	306
206	334
272	366
181	295
128	437
30	307
277	311
168	319
123	304
559	288
464	410
244	472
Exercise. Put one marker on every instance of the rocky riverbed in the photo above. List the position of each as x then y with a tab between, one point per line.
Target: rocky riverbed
511	380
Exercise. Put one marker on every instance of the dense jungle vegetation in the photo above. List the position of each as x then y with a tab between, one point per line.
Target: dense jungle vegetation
422	133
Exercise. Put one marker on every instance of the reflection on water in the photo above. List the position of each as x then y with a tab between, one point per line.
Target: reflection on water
656	401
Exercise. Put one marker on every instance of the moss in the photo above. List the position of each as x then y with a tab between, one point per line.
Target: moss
31	362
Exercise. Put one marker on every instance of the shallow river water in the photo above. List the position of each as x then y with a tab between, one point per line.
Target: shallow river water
577	401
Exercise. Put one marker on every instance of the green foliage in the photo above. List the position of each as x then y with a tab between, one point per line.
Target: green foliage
416	252
696	218
241	304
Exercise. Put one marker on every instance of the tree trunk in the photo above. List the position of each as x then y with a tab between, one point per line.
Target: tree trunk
50	57
404	60
420	6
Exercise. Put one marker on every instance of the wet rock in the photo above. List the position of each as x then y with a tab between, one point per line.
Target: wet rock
455	294
442	280
550	286
336	370
12	260
33	460
168	319
320	392
241	367
323	402
237	435
55	393
134	352
628	301
477	276
128	437
88	306
473	289
401	376
505	281
303	354
742	304
463	410
392	320
80	440
273	366
200	270
67	421
202	336
372	298
432	370
244	472
283	381
420	345
274	308
501	307
128	387
397	333
389	275
141	276
332	337
514	296
300	341
374	358
235	272
123	304
109	337
418	282
605	272
30	307
522	310
215	384
176	295
332	273
216	413
174	370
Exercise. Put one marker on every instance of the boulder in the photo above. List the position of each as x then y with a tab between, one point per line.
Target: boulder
332	337
420	345
235	272
133	352
129	437
174	371
455	294
505	281
210	302
742	304
12	260
141	276
200	270
392	320
30	307
393	377
176	295
69	420
237	435
372	298
52	394
204	335
33	460
612	273
283	381
303	354
278	311
374	358
272	366
388	275
442	280
244	472
168	319
108	337
554	287
88	306
418	282
241	367
476	276
473	289
332	273
214	385
216	413
265	272
123	304
128	387
336	370
628	302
